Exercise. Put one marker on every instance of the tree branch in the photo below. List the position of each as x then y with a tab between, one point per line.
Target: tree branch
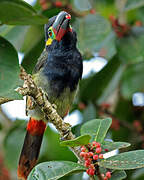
6	122
122	14
99	175
4	100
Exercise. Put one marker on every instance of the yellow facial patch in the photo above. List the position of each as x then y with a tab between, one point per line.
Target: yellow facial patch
49	41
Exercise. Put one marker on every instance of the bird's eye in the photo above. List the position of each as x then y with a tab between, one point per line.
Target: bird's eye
50	33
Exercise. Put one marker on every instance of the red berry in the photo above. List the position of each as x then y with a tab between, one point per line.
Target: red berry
87	171
82	106
108	174
85	158
92	11
101	156
95	157
94	143
105	178
137	125
106	150
91	172
98	145
105	105
98	150
91	166
87	163
112	18
83	149
90	154
115	123
102	175
82	154
44	6
58	4
138	23
86	155
42	2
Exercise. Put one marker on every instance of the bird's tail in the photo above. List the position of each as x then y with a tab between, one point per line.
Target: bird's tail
31	147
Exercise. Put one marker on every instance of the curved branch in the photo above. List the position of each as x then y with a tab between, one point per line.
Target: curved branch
4	100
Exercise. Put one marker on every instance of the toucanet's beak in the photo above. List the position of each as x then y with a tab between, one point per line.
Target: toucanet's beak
61	25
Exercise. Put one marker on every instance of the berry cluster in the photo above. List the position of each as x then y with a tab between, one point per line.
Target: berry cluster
4	173
91	153
121	30
58	4
45	5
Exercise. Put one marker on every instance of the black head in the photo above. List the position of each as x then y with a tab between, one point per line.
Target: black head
48	25
59	33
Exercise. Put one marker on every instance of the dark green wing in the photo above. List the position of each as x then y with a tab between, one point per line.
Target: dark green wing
41	60
30	104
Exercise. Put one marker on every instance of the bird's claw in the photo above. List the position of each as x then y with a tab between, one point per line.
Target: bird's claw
65	135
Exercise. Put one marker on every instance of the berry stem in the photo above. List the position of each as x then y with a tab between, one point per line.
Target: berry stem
92	178
120	5
99	173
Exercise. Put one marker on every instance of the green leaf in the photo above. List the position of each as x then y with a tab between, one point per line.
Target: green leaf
18	12
13	143
94	33
51	12
77	176
54	170
105	7
9	71
96	128
32	47
84	6
1	126
124	161
51	149
89	113
31	56
118	175
32	38
107	46
138	174
131	49
100	85
14	34
114	145
133	4
132	80
79	141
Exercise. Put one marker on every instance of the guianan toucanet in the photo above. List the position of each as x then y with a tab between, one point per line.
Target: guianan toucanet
57	72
